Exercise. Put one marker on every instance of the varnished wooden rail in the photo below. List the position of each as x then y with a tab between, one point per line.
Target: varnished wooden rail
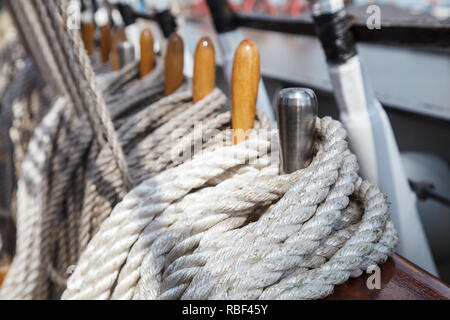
3	272
400	280
4	263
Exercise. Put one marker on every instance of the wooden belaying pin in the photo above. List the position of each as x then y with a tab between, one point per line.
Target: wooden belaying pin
244	89
102	21
88	31
204	79
174	63
147	53
296	117
105	42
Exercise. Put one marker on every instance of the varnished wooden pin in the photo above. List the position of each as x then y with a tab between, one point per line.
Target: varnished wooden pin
174	64
244	89
118	36
105	42
147	53
88	36
204	69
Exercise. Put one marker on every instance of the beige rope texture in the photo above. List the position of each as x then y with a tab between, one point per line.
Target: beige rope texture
64	245
72	140
136	125
74	60
27	99
70	146
19	282
103	183
37	44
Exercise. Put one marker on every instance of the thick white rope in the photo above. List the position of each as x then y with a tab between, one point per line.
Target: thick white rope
160	191
165	241
20	283
67	156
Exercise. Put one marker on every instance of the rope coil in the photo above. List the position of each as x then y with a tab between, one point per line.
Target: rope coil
254	235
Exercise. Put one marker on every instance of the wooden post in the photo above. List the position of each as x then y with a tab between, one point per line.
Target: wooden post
244	89
147	53
174	64
204	69
88	36
105	42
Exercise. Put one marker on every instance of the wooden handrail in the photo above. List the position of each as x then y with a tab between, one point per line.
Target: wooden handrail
4	267
400	280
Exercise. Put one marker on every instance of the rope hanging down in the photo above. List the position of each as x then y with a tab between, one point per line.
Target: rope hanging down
74	59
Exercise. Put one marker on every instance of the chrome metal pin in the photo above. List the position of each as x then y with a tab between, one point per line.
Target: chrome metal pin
296	117
126	53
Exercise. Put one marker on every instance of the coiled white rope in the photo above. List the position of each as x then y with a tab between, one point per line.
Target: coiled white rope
254	235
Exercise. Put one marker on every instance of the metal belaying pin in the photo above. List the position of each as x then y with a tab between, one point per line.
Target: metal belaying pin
125	51
296	117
